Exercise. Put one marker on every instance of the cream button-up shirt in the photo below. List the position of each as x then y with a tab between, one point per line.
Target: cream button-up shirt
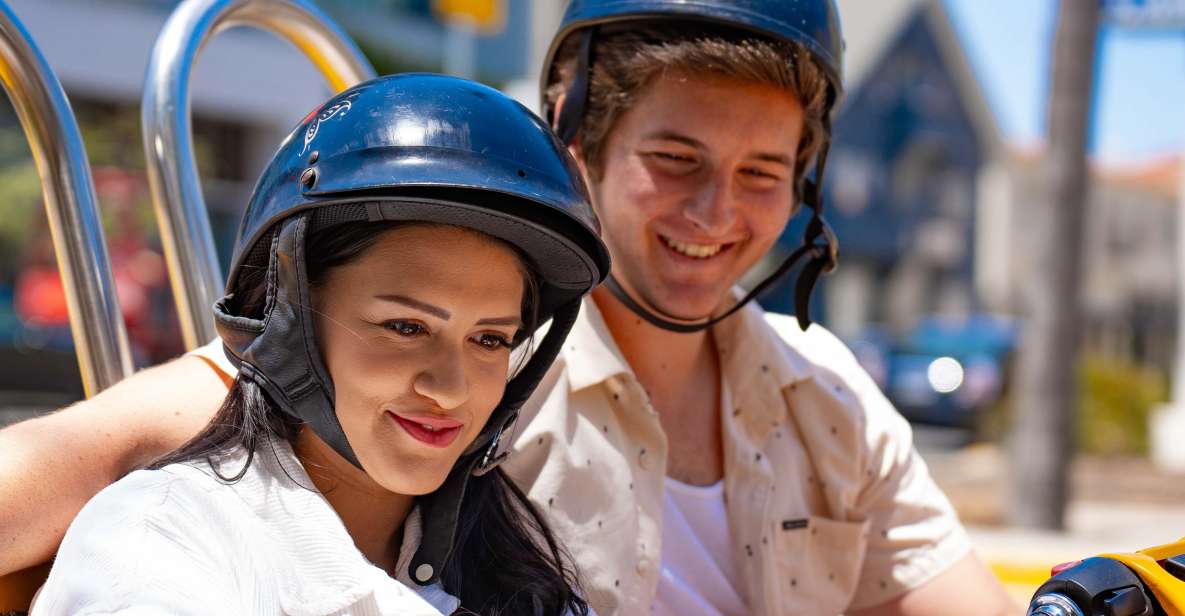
830	508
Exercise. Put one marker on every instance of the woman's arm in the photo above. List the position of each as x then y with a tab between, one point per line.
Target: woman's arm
51	465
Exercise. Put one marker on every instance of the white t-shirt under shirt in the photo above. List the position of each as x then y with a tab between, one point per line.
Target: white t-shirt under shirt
698	574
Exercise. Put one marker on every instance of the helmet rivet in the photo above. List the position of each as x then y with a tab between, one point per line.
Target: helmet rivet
314	157
424	572
309	178
522	174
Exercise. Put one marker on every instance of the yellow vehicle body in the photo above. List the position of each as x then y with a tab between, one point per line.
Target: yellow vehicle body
1168	590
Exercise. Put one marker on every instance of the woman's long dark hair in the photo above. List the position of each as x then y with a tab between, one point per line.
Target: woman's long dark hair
505	560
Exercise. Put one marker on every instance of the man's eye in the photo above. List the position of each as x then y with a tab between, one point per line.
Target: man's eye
405	328
671	156
493	342
758	173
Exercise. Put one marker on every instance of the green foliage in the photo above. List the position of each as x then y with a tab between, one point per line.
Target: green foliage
1116	398
20	209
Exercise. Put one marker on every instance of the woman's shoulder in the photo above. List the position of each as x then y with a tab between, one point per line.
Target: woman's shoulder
147	507
149	537
155	493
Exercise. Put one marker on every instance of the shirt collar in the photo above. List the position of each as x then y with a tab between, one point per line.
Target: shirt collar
591	356
759	358
277	487
760	361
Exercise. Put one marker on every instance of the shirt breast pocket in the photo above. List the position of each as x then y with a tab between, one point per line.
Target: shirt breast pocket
818	564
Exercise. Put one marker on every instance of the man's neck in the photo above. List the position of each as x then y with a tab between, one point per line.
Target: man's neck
372	515
655	355
681	375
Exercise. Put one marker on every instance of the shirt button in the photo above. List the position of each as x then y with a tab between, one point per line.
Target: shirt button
643	566
615	386
645	459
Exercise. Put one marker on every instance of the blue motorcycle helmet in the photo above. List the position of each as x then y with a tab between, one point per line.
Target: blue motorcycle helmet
812	24
414	147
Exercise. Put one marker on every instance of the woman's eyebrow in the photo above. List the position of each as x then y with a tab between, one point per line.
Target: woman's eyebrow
435	311
515	321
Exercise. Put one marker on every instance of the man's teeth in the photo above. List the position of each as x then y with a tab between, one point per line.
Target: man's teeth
428	427
698	251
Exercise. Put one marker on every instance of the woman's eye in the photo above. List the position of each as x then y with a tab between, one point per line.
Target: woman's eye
405	328
493	342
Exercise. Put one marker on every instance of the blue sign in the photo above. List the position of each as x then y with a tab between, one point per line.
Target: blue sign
1161	14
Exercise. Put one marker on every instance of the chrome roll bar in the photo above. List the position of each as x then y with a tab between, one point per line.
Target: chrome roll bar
188	242
100	338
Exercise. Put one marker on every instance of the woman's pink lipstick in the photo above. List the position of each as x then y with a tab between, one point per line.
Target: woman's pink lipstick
440	431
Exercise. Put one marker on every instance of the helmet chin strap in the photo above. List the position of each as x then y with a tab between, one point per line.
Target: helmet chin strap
819	247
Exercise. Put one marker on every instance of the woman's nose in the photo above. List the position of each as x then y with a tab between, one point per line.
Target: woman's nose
444	380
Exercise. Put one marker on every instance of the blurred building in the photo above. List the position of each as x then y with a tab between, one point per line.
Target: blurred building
929	202
250	88
1130	264
911	141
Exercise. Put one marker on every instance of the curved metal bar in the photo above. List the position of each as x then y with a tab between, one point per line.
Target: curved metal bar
100	338
168	146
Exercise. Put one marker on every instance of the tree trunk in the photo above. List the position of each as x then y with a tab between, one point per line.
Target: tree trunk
1043	427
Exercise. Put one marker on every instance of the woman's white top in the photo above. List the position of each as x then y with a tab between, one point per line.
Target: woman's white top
180	541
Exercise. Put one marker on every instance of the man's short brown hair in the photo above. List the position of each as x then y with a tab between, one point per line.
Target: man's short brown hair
627	59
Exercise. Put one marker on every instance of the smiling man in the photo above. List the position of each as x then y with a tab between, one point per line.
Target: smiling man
694	454
698	460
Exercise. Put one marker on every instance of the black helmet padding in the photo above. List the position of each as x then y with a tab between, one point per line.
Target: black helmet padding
275	351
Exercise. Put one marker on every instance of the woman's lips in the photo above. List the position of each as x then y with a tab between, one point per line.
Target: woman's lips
437	432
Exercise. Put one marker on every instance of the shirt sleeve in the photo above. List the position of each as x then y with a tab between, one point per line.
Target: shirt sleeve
215	356
914	532
137	549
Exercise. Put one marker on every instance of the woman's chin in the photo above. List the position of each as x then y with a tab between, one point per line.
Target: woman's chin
411	478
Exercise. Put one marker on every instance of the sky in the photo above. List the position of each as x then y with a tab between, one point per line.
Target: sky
1140	102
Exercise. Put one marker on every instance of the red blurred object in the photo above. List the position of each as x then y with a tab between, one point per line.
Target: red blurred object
39	297
1062	567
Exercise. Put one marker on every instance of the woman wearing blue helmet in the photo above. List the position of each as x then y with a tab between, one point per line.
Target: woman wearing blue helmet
406	237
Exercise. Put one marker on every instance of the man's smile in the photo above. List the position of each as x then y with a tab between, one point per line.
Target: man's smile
694	250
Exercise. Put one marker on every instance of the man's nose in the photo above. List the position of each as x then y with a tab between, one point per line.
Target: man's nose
713	208
444	379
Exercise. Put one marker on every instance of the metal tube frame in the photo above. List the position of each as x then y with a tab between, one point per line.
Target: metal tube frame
188	241
96	322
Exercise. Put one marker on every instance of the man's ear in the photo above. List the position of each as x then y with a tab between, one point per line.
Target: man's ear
556	109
